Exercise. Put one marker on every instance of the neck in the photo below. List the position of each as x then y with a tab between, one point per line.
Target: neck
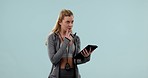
62	32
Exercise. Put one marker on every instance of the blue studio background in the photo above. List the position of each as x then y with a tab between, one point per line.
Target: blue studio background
118	27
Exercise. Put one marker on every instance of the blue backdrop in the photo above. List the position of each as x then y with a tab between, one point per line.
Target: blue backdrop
118	27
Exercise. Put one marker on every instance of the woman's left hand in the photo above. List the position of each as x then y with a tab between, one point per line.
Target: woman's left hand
86	53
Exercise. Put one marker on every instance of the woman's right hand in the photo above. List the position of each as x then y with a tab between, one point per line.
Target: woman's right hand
67	35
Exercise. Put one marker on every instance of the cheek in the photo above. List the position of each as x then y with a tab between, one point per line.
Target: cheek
64	27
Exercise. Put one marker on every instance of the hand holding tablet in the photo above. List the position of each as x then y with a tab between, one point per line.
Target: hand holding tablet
86	51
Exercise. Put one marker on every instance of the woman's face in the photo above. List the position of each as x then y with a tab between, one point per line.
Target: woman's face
67	23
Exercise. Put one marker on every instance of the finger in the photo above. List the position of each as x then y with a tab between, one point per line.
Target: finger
90	51
82	53
86	53
85	50
67	32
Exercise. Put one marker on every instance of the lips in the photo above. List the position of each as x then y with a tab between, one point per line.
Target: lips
69	28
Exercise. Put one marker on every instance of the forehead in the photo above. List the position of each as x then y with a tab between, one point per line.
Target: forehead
68	18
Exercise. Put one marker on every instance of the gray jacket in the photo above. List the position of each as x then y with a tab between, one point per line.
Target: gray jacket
55	53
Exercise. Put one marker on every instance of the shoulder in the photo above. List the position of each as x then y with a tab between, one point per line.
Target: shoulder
76	37
52	35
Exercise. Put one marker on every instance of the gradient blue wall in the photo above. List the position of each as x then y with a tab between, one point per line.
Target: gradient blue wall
119	27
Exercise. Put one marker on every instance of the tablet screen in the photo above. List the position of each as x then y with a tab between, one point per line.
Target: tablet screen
93	47
80	56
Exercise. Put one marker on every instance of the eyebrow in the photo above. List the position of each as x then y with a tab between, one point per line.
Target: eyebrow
69	21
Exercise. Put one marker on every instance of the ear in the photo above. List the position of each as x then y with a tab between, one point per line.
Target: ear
60	22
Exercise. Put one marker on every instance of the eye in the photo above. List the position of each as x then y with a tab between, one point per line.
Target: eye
67	22
72	22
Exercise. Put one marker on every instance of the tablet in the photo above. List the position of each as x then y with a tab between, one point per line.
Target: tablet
80	56
93	47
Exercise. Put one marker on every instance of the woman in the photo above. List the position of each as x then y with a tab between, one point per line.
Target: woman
63	45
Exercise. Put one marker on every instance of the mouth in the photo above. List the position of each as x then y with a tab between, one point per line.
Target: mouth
69	28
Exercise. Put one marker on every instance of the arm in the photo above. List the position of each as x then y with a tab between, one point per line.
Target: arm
82	61
85	59
55	56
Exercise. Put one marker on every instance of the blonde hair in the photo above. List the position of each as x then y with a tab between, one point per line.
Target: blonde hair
63	13
57	27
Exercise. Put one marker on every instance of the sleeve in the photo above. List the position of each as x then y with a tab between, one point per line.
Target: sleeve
55	56
84	60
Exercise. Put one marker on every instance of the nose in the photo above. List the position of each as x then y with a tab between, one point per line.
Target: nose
71	24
